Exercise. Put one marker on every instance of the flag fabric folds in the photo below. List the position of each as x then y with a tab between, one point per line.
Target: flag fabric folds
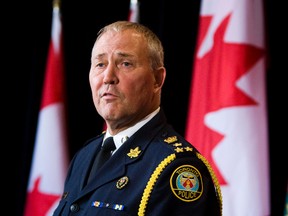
227	115
50	156
134	11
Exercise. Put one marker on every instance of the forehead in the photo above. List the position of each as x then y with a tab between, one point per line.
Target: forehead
112	41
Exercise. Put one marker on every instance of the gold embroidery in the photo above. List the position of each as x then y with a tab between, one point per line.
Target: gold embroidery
134	152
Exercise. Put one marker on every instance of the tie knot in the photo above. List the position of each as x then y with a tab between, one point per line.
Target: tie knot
109	145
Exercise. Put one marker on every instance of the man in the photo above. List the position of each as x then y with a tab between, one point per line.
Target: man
153	170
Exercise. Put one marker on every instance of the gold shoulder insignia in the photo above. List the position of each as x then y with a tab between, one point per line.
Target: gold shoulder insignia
171	139
189	148
179	149
177	144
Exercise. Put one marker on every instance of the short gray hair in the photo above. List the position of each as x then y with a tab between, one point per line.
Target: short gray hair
155	47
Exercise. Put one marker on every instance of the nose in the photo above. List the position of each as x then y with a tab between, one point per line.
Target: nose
110	74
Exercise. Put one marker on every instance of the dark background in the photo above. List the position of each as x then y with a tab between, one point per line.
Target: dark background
26	32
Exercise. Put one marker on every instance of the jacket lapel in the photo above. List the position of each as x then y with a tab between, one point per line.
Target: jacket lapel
128	153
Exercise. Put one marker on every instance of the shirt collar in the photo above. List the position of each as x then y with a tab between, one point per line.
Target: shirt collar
122	136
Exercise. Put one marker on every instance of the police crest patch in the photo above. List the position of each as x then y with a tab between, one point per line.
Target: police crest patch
186	183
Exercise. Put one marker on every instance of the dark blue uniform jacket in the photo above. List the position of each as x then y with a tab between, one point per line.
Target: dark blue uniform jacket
156	172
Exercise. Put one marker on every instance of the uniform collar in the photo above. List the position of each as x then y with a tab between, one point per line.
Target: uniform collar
124	135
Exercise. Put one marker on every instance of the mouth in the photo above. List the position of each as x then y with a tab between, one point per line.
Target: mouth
107	95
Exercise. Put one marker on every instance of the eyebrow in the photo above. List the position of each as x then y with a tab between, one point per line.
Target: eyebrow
121	54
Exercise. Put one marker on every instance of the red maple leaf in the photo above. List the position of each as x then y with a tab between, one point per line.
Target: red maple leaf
37	203
214	86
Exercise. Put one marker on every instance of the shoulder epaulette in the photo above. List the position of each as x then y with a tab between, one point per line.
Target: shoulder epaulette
188	172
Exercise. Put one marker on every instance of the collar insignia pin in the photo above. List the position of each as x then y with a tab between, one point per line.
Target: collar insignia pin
134	152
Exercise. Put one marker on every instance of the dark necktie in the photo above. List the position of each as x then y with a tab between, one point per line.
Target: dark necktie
104	154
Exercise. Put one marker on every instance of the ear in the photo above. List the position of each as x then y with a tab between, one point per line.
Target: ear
160	75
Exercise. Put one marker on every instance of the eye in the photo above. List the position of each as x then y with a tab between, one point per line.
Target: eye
99	65
126	64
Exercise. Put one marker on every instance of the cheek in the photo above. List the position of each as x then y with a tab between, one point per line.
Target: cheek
95	90
140	90
95	82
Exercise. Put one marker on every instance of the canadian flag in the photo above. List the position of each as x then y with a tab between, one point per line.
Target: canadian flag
50	156
227	116
134	11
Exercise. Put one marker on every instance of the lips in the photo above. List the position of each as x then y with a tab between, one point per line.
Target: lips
108	95
105	94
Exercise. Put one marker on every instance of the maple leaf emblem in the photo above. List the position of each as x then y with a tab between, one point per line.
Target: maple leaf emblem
39	203
229	62
134	152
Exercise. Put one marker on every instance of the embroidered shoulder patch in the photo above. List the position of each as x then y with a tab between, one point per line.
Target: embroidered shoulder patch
186	183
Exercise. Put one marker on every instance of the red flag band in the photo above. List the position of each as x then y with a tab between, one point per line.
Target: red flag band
50	156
